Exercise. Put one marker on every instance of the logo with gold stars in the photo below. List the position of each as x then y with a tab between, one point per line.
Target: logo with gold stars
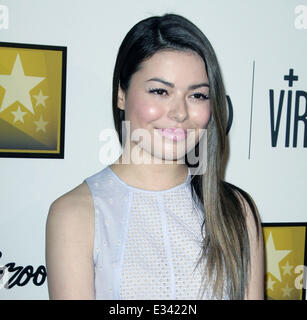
285	260
32	100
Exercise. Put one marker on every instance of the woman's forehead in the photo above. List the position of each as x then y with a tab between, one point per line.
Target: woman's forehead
174	65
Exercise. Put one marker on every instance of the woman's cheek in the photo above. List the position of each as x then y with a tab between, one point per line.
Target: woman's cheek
146	112
201	117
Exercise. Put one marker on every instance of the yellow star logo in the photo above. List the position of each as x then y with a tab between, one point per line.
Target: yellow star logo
18	115
274	257
41	124
40	99
286	291
287	269
18	86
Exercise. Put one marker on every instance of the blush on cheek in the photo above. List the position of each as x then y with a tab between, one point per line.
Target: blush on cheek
202	118
145	112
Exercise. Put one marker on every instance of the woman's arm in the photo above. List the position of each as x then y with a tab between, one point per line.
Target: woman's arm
69	246
255	287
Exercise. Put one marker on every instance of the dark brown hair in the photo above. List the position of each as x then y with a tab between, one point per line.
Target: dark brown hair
226	248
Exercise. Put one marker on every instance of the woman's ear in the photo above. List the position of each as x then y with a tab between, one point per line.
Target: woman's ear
121	98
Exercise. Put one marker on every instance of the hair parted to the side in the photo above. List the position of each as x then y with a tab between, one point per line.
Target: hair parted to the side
226	249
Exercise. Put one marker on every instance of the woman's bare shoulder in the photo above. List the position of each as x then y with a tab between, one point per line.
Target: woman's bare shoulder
69	245
76	205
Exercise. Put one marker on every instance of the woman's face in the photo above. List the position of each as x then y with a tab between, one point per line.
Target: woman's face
170	90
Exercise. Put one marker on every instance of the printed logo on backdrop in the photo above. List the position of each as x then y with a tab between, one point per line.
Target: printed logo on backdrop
230	114
288	113
285	260
32	100
12	275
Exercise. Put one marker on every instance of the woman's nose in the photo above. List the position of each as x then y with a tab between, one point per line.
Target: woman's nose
179	110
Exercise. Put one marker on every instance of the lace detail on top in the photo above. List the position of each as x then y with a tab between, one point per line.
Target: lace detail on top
147	242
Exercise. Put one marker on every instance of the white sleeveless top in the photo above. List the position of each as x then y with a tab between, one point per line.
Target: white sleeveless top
146	242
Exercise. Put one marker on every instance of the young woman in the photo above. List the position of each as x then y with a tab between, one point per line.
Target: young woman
155	227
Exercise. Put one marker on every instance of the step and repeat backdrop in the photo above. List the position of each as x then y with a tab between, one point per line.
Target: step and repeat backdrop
56	64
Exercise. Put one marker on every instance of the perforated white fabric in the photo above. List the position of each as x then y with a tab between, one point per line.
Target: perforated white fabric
147	243
161	248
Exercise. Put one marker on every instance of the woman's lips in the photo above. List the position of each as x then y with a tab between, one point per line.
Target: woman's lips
176	134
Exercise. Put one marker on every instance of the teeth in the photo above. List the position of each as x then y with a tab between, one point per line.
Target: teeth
173	130
180	131
168	130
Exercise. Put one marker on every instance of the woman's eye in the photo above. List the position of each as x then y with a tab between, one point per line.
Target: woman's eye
158	91
200	96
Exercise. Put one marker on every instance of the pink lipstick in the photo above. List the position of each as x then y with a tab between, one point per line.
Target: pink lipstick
175	134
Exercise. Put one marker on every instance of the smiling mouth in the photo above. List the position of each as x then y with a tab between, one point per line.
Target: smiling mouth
175	134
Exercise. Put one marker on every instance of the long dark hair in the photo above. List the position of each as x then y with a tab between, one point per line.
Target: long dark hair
226	248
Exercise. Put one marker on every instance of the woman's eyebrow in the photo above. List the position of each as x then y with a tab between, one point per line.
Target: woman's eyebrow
196	86
171	85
